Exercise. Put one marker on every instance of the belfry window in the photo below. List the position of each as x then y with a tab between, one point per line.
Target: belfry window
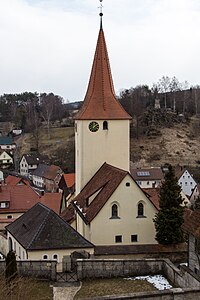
105	125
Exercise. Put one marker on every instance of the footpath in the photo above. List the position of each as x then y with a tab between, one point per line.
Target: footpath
66	290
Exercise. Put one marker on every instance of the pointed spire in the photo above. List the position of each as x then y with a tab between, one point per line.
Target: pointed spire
100	102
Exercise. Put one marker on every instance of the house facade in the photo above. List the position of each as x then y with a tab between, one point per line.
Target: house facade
148	178
6	160
30	162
7	144
186	182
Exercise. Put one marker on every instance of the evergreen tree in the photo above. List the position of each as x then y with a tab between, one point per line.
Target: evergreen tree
11	266
169	219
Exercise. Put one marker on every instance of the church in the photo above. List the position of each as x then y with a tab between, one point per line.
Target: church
109	207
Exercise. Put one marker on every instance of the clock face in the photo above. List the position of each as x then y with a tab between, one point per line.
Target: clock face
93	126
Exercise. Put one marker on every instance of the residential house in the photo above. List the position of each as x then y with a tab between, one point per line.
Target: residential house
67	187
52	178
55	238
15	200
29	162
191	226
38	175
7	144
186	181
6	160
148	178
16	180
112	209
47	177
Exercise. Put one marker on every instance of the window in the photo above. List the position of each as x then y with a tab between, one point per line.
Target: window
147	182
190	183
55	257
186	183
105	125
4	204
118	239
114	212
128	184
45	257
9	217
140	210
134	238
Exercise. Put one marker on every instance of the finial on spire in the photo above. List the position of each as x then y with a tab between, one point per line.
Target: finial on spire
101	13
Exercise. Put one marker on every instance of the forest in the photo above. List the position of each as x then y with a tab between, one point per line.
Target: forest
29	110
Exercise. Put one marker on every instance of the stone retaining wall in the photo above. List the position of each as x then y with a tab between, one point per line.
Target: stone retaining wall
185	279
36	269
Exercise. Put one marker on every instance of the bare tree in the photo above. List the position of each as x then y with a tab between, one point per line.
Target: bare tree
174	86
185	87
164	87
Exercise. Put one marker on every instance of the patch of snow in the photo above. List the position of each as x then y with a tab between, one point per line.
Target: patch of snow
159	281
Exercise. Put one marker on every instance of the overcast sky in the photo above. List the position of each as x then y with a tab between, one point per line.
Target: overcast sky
48	45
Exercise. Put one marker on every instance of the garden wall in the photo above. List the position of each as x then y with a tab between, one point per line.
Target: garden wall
185	279
36	269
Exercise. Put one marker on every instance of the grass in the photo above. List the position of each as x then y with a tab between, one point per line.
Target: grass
25	289
56	135
112	286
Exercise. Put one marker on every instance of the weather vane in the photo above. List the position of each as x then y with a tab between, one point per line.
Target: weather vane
101	8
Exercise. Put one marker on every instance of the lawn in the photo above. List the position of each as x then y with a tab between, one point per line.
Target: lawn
25	289
112	286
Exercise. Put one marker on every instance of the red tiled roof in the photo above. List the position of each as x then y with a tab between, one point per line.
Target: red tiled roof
105	182
20	198
192	222
100	101
69	179
52	200
52	172
153	195
13	180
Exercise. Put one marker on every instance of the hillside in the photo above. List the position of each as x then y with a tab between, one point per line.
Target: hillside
176	145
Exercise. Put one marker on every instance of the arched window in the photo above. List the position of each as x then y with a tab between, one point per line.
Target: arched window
140	209
105	125
114	211
45	257
55	257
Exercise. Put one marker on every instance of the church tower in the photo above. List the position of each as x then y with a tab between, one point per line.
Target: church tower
101	125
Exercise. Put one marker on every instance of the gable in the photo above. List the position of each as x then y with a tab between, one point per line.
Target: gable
127	197
41	228
5	155
103	190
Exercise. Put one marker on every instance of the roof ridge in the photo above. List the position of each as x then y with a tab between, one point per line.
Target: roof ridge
41	225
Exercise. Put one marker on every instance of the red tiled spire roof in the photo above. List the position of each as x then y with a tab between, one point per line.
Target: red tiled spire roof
100	101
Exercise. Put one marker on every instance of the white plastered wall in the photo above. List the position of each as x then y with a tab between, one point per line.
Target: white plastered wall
95	148
103	229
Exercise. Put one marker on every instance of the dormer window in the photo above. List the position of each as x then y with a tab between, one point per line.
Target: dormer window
4	204
105	125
